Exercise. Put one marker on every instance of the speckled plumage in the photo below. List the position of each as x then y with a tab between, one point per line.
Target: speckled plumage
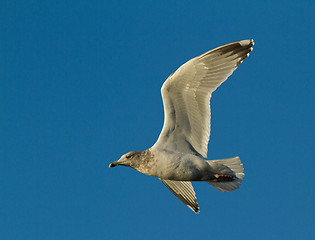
179	155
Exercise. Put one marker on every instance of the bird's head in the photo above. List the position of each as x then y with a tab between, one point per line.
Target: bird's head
129	159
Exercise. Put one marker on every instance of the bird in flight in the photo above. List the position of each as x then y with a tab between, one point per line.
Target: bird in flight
179	156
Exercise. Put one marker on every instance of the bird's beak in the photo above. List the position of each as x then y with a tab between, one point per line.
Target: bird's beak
113	164
121	162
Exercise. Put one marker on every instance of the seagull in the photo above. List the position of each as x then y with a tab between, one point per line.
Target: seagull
179	156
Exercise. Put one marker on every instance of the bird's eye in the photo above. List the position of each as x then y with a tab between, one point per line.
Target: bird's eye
129	155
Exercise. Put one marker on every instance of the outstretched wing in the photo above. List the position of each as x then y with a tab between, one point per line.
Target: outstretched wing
186	96
184	191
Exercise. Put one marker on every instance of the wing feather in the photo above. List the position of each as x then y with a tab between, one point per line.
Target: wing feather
184	191
186	96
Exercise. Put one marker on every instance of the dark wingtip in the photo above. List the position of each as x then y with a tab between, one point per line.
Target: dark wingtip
197	210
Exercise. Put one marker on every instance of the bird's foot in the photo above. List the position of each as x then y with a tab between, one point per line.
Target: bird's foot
223	178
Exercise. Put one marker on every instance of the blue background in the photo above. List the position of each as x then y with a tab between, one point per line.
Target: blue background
80	86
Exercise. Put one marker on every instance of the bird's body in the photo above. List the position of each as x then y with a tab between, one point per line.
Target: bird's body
179	155
174	166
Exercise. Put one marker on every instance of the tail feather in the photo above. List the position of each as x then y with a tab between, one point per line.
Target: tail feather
229	166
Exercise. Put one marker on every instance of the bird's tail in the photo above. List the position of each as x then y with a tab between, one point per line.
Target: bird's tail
229	174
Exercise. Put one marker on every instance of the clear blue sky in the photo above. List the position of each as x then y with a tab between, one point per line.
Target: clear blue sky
80	86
